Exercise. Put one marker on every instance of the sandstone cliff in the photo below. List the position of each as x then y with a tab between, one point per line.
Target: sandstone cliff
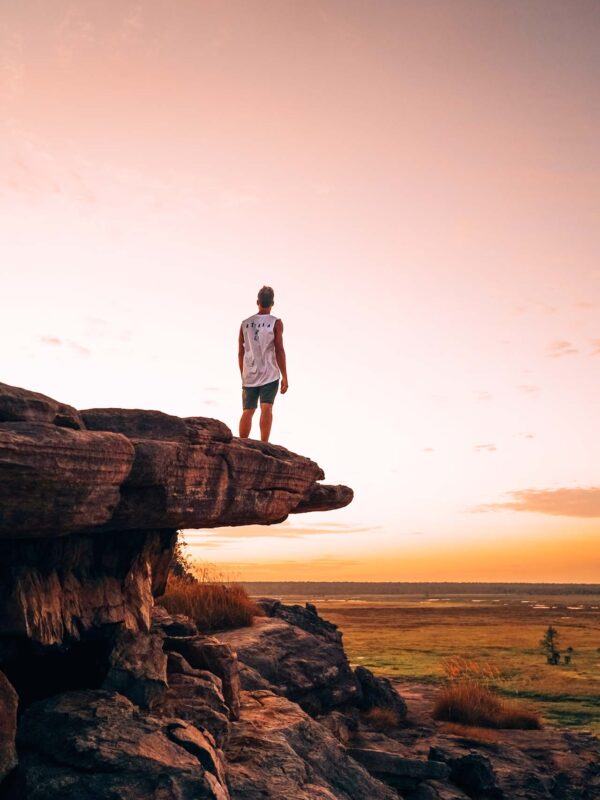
90	502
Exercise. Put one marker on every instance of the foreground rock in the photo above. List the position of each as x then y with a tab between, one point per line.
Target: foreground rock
543	764
96	745
377	692
297	654
277	752
138	668
208	653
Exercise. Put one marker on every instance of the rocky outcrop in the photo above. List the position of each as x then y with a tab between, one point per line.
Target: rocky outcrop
261	745
294	653
137	667
122	469
97	745
115	701
90	502
277	752
197	696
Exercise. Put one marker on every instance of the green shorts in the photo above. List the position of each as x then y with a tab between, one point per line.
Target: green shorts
266	392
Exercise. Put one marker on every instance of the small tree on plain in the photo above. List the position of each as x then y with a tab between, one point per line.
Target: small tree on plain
549	645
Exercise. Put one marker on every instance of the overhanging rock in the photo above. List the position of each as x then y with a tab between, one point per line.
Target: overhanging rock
90	502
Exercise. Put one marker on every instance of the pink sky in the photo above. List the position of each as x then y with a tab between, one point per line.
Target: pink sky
419	181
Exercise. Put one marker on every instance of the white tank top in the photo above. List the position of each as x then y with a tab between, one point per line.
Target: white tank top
260	364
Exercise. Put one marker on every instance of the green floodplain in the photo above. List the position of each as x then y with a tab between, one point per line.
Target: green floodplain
407	631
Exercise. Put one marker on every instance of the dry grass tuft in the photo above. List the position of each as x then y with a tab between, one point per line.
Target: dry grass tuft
469	700
212	604
383	719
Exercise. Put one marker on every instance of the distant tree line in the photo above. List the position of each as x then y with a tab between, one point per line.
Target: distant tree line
354	588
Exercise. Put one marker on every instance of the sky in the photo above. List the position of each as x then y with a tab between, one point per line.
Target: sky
418	180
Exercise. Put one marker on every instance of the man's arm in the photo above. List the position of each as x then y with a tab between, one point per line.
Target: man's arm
280	355
241	351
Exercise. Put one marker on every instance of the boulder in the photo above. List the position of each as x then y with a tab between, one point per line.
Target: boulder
96	745
208	653
344	726
172	624
138	667
378	692
475	774
197	698
436	790
8	726
277	752
297	655
397	770
21	405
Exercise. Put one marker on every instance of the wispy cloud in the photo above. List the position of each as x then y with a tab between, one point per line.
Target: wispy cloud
282	531
485	448
580	502
483	396
428	450
54	341
596	346
560	347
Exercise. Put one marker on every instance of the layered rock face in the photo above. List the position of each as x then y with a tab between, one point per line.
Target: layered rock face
90	505
90	502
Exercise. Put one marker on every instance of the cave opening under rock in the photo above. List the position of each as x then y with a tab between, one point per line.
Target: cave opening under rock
37	672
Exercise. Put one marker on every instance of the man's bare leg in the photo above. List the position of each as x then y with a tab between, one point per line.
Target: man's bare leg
266	420
246	422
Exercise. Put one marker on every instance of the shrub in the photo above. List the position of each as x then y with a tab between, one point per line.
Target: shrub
212	604
383	719
181	565
468	699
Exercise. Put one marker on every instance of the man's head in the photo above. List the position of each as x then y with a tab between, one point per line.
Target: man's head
266	297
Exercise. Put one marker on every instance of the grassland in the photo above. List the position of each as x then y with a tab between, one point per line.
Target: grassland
409	637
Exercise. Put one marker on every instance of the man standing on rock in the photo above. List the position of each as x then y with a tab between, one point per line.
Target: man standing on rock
262	362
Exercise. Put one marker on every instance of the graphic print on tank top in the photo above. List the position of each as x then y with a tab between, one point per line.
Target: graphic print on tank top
260	363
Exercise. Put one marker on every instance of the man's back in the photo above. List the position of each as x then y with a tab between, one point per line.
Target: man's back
260	363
